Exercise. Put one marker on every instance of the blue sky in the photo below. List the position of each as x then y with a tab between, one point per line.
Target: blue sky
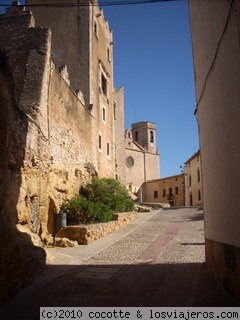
153	61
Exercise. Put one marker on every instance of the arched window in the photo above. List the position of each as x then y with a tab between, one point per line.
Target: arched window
104	85
151	137
136	135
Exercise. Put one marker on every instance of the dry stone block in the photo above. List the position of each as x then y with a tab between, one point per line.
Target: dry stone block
64	242
85	234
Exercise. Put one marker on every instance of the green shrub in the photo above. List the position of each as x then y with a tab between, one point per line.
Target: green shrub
99	212
97	202
77	210
109	192
80	210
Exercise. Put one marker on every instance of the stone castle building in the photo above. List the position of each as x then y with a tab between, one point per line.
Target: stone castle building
84	52
59	114
142	156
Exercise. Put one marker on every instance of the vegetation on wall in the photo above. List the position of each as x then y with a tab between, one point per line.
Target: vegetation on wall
97	202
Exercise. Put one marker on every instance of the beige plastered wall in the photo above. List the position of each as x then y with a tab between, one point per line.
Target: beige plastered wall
192	167
159	185
216	54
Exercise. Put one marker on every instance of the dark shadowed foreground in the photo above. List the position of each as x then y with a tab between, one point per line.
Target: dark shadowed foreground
157	260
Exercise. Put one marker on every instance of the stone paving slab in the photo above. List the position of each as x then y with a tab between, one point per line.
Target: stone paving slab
94	275
98	272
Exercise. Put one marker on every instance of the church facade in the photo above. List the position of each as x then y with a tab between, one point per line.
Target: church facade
142	159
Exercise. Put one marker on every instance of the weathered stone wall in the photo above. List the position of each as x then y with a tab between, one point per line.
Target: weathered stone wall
18	38
89	61
85	234
49	137
55	154
46	139
58	161
74	36
20	260
71	162
118	114
22	50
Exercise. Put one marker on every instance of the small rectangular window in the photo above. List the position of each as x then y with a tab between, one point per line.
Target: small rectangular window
164	193
104	85
155	194
170	194
95	29
104	114
108	149
100	142
114	110
190	181
176	190
136	135
198	175
109	54
199	195
151	137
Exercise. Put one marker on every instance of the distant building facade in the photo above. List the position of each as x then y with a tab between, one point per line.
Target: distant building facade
193	181
142	159
168	190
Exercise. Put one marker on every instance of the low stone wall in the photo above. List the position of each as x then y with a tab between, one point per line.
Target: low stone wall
85	234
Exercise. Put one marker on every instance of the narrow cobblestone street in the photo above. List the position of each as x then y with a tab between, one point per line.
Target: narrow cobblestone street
155	261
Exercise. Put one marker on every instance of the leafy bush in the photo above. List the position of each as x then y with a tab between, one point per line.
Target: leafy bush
97	202
80	210
109	192
99	212
76	209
